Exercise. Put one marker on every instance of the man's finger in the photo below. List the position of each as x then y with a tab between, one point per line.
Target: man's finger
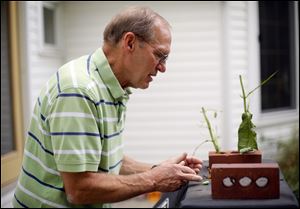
192	177
199	166
186	169
180	158
182	163
197	170
193	160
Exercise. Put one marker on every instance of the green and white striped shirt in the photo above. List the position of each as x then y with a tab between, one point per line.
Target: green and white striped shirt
76	126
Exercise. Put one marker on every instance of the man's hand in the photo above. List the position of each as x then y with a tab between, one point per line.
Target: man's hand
191	161
173	173
170	177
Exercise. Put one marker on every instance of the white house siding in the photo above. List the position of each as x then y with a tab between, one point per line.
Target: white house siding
36	66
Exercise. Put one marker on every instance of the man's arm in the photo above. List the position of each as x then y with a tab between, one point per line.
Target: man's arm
92	187
131	166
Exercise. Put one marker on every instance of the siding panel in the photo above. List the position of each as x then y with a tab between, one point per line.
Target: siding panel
40	67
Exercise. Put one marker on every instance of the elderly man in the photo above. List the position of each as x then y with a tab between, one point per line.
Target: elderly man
73	155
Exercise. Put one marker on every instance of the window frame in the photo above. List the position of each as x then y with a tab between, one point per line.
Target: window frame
276	116
274	50
46	49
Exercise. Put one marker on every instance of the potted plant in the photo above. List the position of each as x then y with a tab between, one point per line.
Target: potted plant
247	151
240	174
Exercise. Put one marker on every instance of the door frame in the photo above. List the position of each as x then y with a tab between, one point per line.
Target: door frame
11	162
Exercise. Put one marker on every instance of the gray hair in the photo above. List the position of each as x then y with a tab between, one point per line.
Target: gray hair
138	20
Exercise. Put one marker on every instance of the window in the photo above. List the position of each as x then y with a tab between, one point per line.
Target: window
49	25
277	53
50	32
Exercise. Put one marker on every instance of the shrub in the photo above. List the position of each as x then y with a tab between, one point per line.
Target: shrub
288	160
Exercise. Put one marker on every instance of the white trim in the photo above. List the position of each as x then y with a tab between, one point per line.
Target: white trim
297	54
225	81
277	118
253	57
25	60
227	128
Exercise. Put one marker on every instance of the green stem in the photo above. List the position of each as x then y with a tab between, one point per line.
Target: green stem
244	95
213	139
194	152
265	81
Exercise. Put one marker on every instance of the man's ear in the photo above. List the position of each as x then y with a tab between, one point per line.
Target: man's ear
129	40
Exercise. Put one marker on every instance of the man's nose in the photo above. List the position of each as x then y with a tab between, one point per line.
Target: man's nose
161	67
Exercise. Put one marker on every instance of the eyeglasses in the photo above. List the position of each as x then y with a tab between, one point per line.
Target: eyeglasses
162	57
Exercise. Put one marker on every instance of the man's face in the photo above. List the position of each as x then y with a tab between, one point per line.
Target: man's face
150	58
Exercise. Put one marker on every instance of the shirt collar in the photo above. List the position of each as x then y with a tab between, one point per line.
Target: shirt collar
108	76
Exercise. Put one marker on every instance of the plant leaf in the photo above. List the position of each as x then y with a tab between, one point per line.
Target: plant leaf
244	150
246	133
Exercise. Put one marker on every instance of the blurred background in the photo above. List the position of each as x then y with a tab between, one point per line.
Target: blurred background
213	43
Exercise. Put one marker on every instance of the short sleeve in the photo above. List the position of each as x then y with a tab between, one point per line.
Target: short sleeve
74	131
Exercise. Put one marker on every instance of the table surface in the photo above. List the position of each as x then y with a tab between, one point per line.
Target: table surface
197	195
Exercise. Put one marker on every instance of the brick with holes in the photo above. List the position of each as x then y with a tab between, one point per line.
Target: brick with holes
245	181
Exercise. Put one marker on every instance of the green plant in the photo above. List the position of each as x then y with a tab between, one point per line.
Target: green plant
246	134
288	160
212	133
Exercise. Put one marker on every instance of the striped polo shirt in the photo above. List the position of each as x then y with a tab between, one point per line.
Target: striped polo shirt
76	126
